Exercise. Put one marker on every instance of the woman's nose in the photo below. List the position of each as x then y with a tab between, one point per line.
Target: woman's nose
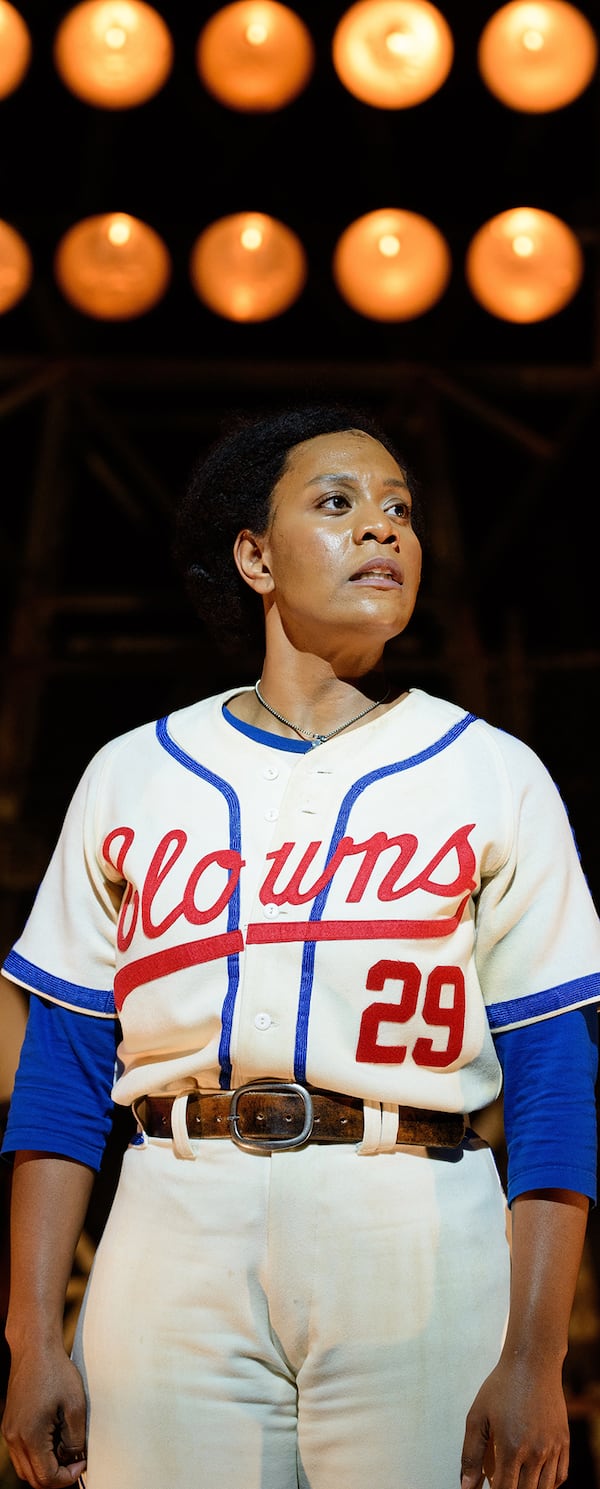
374	524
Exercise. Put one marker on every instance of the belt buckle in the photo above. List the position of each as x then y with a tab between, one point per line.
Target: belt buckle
270	1145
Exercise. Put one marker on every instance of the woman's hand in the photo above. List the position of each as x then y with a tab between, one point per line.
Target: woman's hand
44	1418
517	1431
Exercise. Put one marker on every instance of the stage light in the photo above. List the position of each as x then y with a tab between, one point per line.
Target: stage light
524	265
537	57
393	53
112	267
248	267
15	49
113	53
391	265
255	56
16	267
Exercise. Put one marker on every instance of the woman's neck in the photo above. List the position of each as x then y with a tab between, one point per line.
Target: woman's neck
310	698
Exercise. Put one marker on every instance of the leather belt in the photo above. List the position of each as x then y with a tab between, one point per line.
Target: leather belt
266	1116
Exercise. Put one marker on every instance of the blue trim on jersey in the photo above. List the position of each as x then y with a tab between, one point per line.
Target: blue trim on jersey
88	999
310	947
552	1000
233	909
263	736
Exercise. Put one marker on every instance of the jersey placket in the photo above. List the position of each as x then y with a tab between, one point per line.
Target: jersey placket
297	809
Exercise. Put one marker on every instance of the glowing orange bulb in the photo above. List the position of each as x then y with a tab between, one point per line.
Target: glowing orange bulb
16	267
15	49
113	53
392	53
248	267
391	265
112	267
524	265
537	56
255	55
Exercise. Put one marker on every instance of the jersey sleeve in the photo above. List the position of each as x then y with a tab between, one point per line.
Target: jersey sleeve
537	927
66	951
61	1101
550	1070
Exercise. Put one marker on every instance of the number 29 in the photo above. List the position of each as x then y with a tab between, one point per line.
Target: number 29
437	1015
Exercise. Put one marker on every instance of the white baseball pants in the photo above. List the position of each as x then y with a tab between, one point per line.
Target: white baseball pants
315	1319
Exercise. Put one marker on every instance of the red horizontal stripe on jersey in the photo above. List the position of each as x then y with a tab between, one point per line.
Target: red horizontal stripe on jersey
354	930
163	963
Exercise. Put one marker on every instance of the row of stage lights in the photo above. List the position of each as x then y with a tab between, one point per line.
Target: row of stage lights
522	266
259	55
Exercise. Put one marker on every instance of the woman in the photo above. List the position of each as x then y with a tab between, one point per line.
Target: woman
353	910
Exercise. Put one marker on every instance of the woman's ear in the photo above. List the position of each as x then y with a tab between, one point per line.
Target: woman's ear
249	552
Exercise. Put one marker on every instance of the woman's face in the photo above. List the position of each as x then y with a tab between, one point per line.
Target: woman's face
340	552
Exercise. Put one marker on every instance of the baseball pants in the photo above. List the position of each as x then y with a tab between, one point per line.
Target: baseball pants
313	1319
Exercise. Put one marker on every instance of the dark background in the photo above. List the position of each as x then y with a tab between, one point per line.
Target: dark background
100	422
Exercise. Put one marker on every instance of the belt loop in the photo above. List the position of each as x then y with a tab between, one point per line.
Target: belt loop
372	1129
389	1127
182	1145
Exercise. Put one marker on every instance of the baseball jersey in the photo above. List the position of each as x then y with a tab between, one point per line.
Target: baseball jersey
362	916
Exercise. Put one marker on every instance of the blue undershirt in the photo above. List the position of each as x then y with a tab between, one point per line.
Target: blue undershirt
61	1101
62	1095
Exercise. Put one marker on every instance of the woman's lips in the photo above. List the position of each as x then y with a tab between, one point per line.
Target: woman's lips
379	573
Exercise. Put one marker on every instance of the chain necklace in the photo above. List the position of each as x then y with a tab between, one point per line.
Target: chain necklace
318	739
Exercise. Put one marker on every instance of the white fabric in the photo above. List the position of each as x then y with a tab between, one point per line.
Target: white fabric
319	915
310	1319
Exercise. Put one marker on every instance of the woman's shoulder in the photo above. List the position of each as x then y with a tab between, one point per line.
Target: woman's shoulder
480	733
140	744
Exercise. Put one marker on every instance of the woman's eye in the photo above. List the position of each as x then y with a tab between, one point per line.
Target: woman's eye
399	509
335	499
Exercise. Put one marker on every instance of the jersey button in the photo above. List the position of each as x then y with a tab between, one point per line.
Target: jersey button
271	814
263	1021
271	911
270	772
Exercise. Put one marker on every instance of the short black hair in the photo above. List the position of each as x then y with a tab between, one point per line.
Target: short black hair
230	488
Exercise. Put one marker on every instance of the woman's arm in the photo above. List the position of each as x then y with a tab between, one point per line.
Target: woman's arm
517	1427
45	1402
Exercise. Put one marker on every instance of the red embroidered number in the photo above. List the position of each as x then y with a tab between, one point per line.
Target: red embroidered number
437	1014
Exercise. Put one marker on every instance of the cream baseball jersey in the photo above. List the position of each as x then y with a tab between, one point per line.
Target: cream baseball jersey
361	917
